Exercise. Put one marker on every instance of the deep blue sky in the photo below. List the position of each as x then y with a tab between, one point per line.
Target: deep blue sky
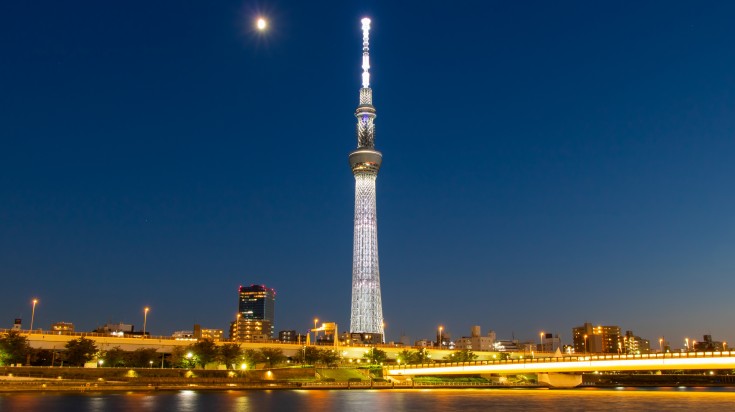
545	163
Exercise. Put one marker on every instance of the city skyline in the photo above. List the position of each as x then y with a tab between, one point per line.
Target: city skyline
548	165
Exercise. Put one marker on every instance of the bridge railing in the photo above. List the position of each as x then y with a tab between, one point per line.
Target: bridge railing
573	358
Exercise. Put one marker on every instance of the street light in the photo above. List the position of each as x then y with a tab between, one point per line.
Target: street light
33	313
541	340
441	328
585	343
661	344
686	341
315	332
145	318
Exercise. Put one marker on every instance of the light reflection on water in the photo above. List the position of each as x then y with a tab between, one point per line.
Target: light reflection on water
670	399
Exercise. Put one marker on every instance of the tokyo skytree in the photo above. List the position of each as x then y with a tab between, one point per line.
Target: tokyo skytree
367	308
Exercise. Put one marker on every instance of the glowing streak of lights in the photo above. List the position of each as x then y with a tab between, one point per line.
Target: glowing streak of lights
725	362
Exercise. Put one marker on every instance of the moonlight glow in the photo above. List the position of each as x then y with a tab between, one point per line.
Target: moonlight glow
261	24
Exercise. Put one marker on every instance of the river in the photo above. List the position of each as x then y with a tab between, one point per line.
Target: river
449	400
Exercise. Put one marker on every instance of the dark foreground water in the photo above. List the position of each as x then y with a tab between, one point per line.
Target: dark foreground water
465	400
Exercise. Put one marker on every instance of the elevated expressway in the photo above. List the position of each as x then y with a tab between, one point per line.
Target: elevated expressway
565	371
165	344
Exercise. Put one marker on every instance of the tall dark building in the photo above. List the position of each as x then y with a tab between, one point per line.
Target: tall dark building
256	313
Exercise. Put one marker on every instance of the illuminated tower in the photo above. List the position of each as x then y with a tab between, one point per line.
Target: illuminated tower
367	308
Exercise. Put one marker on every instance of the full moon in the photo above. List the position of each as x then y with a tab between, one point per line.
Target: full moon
261	24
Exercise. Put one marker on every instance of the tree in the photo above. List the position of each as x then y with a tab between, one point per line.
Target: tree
310	355
272	356
423	356
250	357
407	357
464	355
329	357
14	348
42	357
375	356
205	352
79	351
143	357
180	358
114	357
229	354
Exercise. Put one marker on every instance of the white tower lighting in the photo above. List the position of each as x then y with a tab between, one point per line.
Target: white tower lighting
367	309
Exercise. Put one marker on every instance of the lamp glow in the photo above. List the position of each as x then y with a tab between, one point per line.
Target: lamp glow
261	24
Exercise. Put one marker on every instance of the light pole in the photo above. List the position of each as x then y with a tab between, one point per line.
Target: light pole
145	318
661	344
686	341
585	344
315	332
441	328
541	341
33	313
724	346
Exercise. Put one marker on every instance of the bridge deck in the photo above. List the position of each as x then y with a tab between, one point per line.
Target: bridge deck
570	364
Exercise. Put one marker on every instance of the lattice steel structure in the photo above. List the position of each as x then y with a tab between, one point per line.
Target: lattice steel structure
367	308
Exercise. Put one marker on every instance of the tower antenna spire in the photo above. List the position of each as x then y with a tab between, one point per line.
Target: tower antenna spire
365	52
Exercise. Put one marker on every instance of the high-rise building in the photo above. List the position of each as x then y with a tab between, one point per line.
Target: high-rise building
596	339
367	309
256	316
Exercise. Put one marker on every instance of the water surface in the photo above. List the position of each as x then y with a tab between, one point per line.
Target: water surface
449	400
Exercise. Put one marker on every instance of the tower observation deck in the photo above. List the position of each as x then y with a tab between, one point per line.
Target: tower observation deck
367	309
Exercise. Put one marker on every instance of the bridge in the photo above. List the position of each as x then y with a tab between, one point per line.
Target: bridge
566	371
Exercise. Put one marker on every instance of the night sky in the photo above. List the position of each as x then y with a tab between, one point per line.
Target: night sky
545	163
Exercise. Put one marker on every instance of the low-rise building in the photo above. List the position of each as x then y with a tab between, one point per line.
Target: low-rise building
204	333
62	327
550	343
634	345
116	329
183	335
708	345
475	341
291	336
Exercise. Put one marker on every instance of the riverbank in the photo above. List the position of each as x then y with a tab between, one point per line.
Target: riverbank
76	380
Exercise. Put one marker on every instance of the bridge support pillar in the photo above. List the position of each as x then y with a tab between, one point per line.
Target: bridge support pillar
560	380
